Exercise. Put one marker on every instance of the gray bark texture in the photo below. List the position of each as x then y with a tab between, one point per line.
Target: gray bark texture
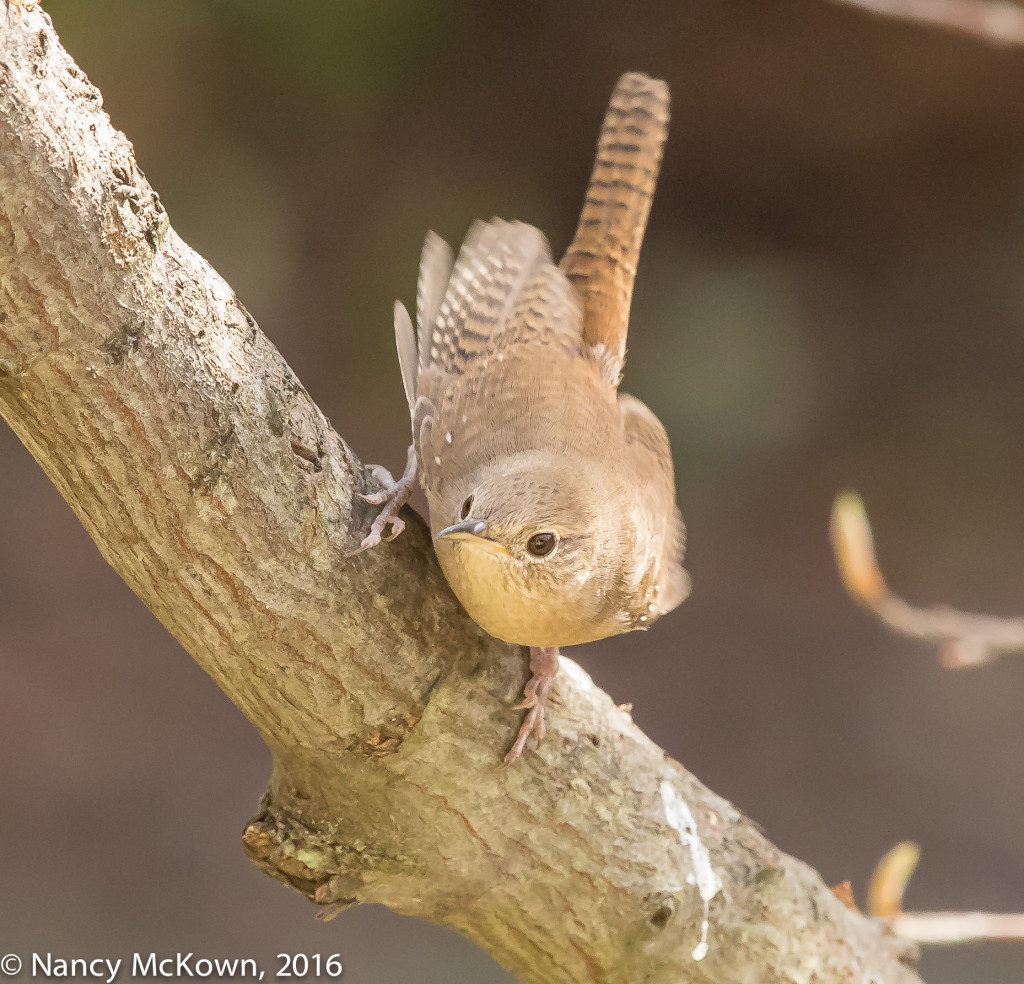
214	486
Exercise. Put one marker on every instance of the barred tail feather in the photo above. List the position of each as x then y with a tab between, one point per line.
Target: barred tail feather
601	262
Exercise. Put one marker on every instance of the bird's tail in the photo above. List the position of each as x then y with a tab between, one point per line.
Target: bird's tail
601	262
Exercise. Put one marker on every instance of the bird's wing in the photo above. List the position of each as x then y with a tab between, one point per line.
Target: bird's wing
503	291
405	341
435	272
495	358
601	262
651	457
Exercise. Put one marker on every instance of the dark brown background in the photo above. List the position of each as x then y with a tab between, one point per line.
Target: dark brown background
831	294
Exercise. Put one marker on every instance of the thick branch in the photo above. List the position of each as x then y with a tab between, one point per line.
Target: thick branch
218	491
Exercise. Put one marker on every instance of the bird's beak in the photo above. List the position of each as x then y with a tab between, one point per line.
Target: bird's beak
471	531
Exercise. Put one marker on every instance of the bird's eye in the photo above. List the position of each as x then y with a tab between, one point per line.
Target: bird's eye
541	544
466	507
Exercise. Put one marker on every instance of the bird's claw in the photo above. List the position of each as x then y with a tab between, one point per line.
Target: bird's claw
387	480
534	724
392	497
393	501
543	667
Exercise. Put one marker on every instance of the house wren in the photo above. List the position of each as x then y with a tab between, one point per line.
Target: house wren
552	498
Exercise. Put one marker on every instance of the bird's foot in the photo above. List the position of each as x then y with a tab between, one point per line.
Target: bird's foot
543	666
392	497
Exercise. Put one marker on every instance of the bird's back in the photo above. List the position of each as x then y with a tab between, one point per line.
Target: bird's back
502	368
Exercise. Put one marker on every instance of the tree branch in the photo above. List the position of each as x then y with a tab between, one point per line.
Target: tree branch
212	483
885	900
992	21
948	928
964	639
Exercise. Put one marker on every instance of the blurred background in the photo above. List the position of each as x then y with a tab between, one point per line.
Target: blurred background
831	295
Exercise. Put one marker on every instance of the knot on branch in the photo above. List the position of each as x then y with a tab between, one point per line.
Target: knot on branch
291	852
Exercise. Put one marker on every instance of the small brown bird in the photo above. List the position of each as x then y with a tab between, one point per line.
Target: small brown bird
552	498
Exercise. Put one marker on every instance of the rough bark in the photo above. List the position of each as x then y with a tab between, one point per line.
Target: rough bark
212	483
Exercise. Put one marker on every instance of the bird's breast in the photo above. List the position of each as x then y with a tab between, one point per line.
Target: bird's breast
508	608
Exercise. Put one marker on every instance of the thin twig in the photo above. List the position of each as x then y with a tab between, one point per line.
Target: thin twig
885	901
959	927
964	639
991	21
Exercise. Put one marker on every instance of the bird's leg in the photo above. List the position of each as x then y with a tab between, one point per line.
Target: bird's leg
543	667
392	497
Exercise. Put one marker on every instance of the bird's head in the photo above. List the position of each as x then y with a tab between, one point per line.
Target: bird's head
532	550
